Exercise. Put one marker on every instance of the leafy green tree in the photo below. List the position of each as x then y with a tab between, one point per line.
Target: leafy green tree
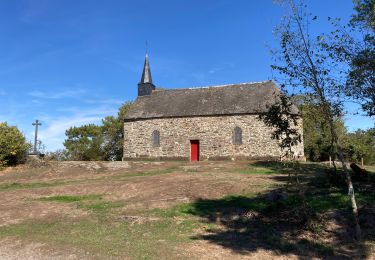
113	134
360	145
316	132
13	145
353	46
84	143
103	142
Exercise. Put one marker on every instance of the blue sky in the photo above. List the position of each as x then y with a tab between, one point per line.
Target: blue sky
70	62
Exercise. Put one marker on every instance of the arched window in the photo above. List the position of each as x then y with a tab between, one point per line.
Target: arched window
155	138
237	136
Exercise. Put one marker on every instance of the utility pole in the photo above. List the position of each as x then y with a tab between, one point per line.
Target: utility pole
36	124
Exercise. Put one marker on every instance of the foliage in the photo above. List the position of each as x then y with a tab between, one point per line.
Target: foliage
13	145
113	134
316	131
84	143
283	118
361	144
92	142
353	46
317	136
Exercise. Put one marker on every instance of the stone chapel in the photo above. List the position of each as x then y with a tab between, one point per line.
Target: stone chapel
215	122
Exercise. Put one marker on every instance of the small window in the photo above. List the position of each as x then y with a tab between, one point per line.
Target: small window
156	138
237	136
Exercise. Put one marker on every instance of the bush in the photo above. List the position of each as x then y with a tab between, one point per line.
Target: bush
58	155
13	145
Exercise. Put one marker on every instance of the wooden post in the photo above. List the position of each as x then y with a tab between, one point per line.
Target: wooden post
362	162
330	161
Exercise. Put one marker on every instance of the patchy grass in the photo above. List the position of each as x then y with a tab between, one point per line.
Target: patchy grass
144	174
148	240
32	185
100	207
257	170
68	198
241	223
92	202
110	237
36	185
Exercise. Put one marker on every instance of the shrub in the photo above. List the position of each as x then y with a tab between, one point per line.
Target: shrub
13	145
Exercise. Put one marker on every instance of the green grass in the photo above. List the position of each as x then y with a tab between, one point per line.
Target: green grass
92	202
256	170
31	185
68	198
100	207
207	207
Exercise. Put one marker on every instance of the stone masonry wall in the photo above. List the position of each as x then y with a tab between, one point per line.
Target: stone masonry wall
215	135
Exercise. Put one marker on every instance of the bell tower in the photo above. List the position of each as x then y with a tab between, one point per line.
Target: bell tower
145	86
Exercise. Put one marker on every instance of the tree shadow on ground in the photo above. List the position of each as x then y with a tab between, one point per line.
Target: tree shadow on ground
317	224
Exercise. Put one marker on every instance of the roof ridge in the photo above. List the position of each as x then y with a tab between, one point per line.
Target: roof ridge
215	86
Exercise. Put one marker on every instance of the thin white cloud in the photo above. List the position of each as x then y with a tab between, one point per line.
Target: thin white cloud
52	132
214	70
57	95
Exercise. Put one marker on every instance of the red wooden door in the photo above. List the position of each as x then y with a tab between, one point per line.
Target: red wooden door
194	150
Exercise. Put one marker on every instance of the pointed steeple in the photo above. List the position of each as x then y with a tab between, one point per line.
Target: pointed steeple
145	86
146	74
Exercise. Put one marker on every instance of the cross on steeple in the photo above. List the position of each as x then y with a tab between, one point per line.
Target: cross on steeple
36	124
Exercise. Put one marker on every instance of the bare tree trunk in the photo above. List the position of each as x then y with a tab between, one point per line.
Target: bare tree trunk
348	181
351	194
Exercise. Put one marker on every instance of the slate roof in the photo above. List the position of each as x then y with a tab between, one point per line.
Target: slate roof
235	99
146	73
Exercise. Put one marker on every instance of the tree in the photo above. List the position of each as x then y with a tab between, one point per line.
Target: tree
309	68
103	142
316	132
360	146
283	117
13	145
353	45
113	134
84	143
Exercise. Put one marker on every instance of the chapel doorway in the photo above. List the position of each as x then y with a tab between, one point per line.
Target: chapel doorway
194	150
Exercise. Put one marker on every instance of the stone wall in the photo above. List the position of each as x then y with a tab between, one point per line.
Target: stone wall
215	135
